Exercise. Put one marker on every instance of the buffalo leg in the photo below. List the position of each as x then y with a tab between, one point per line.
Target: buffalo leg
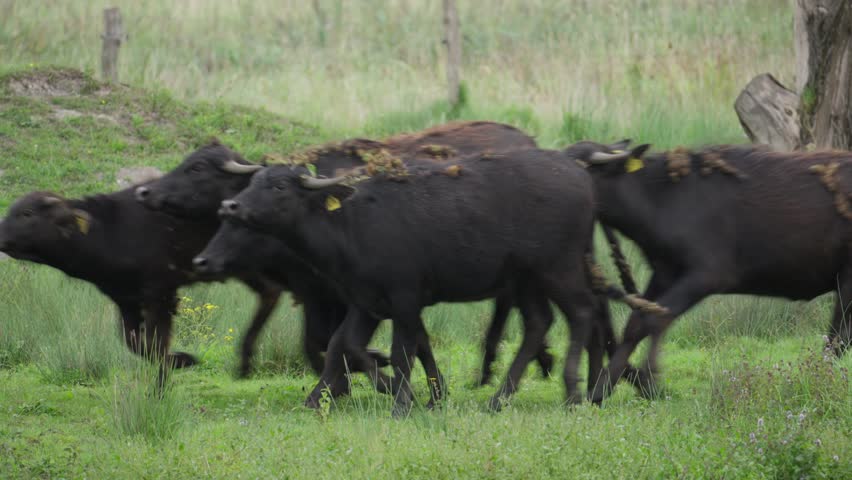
601	339
403	352
537	319
840	333
347	352
502	308
131	322
268	297
683	295
321	321
570	292
434	378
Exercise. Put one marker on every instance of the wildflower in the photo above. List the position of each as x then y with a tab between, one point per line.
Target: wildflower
835	458
230	330
752	437
760	451
760	423
789	415
228	338
818	442
801	417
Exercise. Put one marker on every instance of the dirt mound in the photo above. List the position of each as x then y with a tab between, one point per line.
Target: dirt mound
54	82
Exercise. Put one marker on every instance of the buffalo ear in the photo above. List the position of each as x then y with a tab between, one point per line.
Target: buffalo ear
73	221
640	150
330	198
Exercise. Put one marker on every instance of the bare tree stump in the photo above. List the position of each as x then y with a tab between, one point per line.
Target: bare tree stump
824	72
452	38
823	106
112	37
768	113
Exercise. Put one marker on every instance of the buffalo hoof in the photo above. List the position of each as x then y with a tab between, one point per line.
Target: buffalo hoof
379	358
545	362
485	378
602	390
646	385
182	360
312	402
573	399
497	403
244	371
402	405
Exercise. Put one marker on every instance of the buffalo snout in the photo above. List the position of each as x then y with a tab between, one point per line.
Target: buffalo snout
142	193
229	208
200	264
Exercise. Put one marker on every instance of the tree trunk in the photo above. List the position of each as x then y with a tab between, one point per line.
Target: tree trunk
452	38
824	72
823	48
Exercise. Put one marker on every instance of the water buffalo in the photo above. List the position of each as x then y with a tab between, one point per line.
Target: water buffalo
400	241
135	256
195	189
727	219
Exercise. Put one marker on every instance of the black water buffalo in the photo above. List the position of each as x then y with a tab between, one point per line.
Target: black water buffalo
195	189
470	230
137	257
727	219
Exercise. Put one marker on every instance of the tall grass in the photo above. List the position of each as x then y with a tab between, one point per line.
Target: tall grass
665	71
139	406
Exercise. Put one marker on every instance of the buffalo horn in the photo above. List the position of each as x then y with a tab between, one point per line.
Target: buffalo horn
317	183
239	168
599	158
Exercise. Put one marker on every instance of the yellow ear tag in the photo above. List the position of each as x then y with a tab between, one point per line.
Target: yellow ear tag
633	164
332	203
82	224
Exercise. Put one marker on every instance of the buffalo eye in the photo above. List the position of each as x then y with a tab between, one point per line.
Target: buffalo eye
196	167
26	213
280	187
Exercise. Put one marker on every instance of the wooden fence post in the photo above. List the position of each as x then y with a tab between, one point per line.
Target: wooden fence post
452	38
112	38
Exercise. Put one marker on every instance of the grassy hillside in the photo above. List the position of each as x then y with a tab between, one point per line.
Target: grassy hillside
62	130
748	393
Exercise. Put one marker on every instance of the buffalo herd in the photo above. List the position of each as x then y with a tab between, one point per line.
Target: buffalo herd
362	230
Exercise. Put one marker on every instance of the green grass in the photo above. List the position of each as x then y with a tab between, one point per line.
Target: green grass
74	403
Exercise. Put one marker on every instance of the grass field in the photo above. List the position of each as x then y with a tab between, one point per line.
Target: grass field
748	392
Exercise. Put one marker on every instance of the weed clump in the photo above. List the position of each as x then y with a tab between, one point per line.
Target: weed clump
140	407
814	381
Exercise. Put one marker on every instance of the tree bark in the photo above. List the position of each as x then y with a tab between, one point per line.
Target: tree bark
452	38
823	31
